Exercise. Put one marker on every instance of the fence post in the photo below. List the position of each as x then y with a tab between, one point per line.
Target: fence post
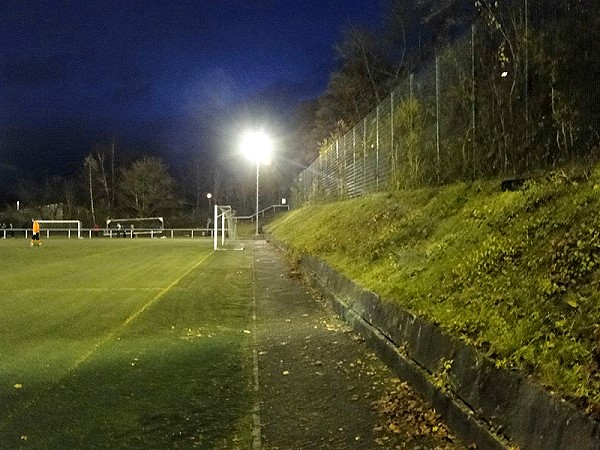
377	149
473	95
393	152
364	177
338	180
437	115
354	159
345	169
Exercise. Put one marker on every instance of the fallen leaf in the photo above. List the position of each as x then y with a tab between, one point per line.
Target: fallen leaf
572	303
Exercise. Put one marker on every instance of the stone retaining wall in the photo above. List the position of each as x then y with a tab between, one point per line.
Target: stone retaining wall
475	397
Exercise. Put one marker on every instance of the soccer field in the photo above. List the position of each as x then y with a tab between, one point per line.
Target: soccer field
125	344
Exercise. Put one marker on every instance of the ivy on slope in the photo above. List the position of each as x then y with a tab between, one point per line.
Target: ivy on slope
514	273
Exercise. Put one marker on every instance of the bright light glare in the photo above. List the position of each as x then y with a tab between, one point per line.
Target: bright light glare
257	147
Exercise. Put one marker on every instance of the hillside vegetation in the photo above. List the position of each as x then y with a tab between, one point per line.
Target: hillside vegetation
515	274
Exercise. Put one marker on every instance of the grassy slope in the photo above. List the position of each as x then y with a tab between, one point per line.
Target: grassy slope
513	273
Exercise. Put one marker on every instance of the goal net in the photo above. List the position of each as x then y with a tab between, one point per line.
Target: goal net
68	228
225	235
135	226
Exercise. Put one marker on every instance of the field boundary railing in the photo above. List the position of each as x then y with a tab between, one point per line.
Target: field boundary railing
261	213
108	233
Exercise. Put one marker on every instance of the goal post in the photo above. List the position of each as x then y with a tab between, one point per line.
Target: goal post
135	226
61	226
225	229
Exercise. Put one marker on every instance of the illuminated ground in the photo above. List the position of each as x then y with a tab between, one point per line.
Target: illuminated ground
165	344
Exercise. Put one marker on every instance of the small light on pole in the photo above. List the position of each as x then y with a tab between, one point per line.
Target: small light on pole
257	146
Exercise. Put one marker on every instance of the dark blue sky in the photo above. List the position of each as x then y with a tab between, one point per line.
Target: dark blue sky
154	71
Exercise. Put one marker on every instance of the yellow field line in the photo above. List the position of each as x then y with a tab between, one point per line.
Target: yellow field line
134	315
6	420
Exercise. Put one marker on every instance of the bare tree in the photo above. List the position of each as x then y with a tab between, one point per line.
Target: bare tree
113	179
102	176
91	167
147	187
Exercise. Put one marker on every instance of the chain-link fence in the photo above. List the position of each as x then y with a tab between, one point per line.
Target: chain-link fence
469	114
400	144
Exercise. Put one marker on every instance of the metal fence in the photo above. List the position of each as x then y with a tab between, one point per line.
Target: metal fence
463	117
110	233
400	144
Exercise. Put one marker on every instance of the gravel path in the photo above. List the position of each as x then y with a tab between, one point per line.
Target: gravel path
318	385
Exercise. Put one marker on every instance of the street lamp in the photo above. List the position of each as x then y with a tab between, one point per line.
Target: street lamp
257	147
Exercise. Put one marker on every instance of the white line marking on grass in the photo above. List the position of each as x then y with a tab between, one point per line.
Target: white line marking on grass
83	289
256	426
134	316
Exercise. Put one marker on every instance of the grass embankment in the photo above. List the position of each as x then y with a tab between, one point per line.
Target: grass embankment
514	273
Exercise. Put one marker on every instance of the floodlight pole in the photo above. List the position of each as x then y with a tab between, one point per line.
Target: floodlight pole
257	177
257	147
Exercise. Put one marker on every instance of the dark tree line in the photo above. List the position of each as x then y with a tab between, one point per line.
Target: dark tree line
113	183
108	185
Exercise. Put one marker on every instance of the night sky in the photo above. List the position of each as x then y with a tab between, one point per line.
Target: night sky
160	76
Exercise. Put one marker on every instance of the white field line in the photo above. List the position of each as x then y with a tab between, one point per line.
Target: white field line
256	425
84	289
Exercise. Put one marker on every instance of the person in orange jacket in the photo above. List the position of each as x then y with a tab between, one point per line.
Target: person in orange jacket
35	237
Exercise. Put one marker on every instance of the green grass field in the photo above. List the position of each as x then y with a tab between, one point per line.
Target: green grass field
124	344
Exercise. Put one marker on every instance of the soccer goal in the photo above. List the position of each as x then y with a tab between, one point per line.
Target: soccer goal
135	226
69	228
225	235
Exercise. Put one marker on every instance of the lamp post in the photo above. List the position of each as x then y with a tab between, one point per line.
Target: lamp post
257	147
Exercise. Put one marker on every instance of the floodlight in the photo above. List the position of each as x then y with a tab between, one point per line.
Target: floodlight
257	147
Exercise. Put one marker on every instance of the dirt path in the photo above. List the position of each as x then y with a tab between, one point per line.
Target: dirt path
318	385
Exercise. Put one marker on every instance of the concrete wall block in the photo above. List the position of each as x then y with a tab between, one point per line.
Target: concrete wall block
427	344
418	339
466	424
543	421
389	320
490	397
458	417
578	432
367	304
490	391
440	348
